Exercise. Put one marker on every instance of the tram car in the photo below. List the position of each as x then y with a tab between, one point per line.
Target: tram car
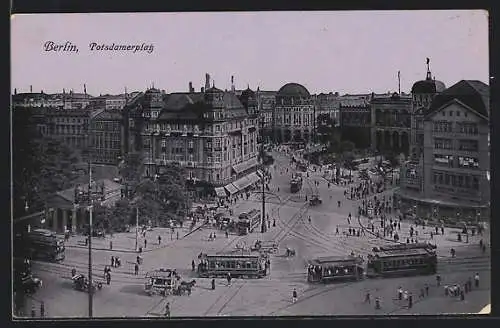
295	183
248	221
335	268
394	247
247	265
401	262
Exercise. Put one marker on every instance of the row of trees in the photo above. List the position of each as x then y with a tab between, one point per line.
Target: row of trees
159	199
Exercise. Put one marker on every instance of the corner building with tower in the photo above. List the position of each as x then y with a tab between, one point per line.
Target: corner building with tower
447	176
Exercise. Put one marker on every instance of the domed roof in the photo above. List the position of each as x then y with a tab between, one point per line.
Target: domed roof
293	89
428	86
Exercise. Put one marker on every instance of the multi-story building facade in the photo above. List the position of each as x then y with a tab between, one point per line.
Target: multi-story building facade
391	123
71	126
106	136
294	114
355	120
211	134
108	102
451	179
266	101
328	104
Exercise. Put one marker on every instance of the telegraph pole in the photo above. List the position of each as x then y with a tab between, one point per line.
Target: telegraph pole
90	242
263	226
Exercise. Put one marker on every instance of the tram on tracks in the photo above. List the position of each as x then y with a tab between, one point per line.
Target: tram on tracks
402	261
295	183
243	265
335	268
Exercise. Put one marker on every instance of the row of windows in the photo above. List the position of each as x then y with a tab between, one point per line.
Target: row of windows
461	127
465	145
70	120
463	161
455	180
453	113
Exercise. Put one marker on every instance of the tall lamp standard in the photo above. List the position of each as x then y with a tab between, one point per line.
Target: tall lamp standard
90	207
263	221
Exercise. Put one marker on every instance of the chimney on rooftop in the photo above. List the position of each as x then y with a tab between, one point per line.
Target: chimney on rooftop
207	81
191	87
15	91
31	89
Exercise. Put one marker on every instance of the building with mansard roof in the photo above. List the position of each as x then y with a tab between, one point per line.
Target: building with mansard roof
211	134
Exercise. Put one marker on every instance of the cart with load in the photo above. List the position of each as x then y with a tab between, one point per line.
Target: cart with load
265	246
315	200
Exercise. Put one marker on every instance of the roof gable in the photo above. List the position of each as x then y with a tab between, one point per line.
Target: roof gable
433	113
472	93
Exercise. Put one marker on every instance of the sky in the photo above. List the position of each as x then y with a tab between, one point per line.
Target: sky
345	52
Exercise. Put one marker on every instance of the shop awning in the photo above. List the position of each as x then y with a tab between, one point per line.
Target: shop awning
242	183
220	192
253	177
231	189
242	167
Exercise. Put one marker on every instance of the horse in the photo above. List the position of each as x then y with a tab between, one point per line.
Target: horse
186	287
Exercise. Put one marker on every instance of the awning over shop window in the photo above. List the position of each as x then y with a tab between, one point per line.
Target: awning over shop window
253	177
242	183
231	189
220	192
242	167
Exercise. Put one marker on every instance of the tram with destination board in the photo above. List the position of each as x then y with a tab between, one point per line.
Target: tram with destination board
248	221
40	244
247	265
335	268
401	262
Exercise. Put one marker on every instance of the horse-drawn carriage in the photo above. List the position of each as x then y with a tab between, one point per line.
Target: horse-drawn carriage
184	287
161	281
81	283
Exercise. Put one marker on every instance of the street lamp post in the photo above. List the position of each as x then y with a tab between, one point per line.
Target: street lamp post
90	291
263	222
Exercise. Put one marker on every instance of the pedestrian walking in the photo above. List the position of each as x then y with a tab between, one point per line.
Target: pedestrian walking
110	245
108	278
226	233
400	293
410	301
112	261
452	251
73	272
377	303
177	235
193	266
294	295
462	295
476	280
405	295
228	277
167	310
136	269
367	297
426	290
145	243
159	240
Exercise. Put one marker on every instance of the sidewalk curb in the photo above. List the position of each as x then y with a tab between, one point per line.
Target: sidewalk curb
128	250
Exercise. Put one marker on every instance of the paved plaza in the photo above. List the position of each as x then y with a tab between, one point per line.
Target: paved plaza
272	295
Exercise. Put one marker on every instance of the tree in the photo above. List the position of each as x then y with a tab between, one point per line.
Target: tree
346	146
42	167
